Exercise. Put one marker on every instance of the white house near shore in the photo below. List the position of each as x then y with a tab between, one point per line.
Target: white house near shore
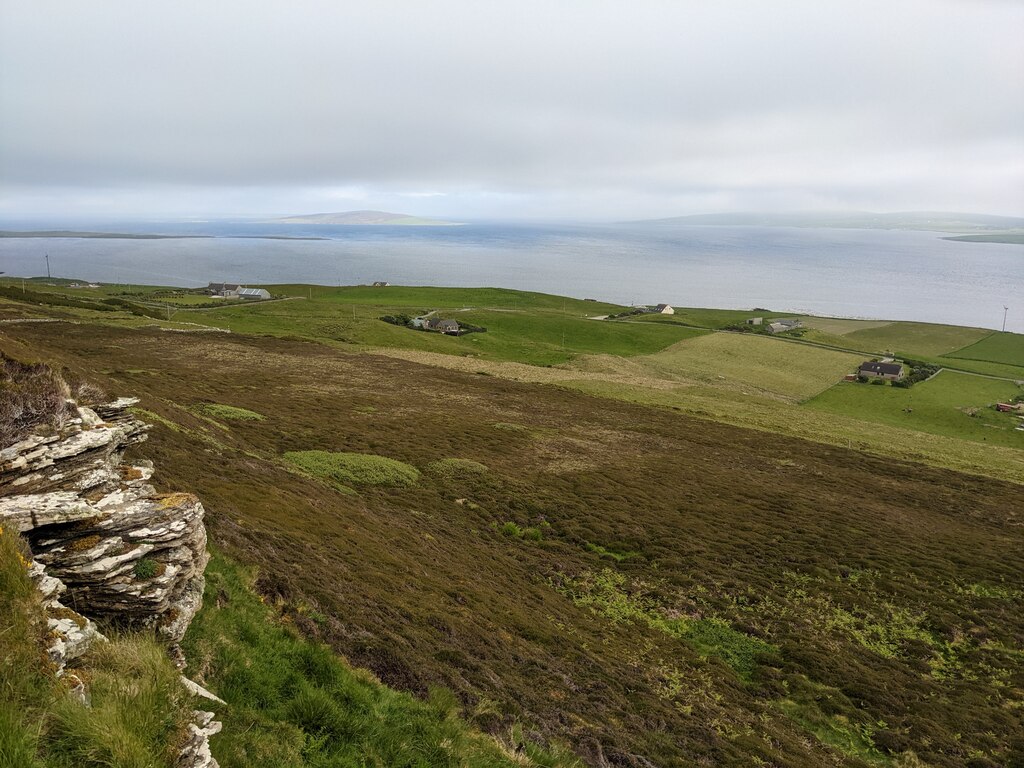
663	309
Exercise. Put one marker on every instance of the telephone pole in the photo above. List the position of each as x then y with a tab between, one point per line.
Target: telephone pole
47	266
1005	310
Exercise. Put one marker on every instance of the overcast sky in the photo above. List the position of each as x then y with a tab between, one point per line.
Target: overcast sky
518	109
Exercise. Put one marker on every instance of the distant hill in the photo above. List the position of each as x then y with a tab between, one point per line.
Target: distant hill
364	218
921	220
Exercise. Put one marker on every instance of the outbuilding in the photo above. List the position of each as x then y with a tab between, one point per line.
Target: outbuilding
253	293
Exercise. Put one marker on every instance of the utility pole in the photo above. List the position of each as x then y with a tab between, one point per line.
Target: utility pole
47	266
1005	310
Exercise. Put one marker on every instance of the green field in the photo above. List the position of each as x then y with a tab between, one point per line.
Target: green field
532	328
703	317
941	406
1005	348
911	339
745	363
430	297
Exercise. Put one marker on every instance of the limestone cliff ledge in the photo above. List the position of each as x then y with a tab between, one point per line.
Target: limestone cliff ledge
107	549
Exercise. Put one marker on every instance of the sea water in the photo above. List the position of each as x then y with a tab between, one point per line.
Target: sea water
897	275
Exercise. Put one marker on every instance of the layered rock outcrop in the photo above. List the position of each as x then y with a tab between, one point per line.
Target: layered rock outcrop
108	550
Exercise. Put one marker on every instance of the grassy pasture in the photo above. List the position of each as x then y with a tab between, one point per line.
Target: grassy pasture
753	363
1007	348
523	327
938	405
839	326
429	297
921	339
702	317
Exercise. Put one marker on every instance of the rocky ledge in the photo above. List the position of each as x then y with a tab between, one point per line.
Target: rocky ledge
108	550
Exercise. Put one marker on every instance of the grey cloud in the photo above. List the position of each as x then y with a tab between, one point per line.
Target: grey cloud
591	106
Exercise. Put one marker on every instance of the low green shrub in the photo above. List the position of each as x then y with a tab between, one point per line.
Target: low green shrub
355	468
510	529
146	569
230	412
615	554
457	469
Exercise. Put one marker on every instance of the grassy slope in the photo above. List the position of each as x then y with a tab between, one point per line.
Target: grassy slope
293	702
756	363
138	711
534	335
910	339
528	327
1005	348
886	592
940	405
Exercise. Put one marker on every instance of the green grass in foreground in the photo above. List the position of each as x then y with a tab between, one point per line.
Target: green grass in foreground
138	711
292	702
1007	348
340	469
943	406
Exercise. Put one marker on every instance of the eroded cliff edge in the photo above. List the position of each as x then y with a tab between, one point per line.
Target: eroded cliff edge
108	551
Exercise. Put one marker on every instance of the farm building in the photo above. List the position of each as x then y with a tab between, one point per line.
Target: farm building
253	293
886	371
442	326
783	324
222	289
755	320
663	309
381	284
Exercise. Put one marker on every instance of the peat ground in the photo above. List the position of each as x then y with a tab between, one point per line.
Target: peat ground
694	594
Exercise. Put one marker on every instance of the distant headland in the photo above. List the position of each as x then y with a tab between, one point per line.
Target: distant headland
366	218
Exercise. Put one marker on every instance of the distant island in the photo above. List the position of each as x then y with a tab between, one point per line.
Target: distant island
98	235
366	218
68	233
965	223
1013	238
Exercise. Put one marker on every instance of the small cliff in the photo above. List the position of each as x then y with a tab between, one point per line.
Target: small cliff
107	549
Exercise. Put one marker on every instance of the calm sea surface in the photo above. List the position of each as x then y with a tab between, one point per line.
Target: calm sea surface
849	272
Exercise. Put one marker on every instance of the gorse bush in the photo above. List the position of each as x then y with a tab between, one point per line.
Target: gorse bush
340	469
